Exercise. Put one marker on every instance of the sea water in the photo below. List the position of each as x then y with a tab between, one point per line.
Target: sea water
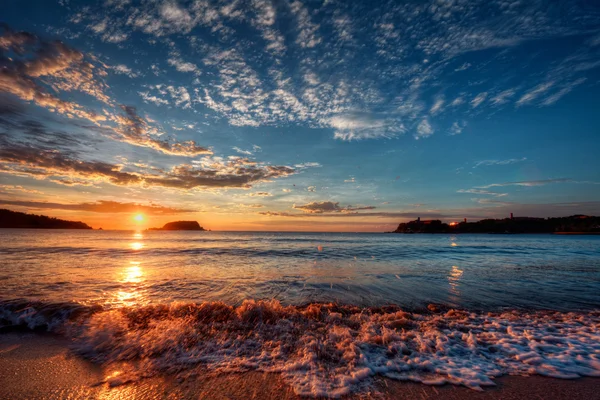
327	311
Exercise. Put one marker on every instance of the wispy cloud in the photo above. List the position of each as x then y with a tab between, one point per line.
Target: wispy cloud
477	100
535	93
529	183
499	162
481	191
360	126
240	151
260	194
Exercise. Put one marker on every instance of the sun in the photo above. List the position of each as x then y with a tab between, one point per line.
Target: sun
139	217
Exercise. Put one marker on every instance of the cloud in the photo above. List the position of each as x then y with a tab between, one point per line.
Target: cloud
457	128
66	69
18	188
463	67
246	152
562	92
308	165
529	183
206	173
402	215
100	206
493	201
237	47
307	36
424	129
329	207
360	126
480	98
62	67
438	106
124	70
251	205
503	97
534	93
499	162
260	194
182	66
148	98
134	129
481	191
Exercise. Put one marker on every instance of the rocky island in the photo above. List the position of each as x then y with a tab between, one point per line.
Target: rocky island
180	226
14	219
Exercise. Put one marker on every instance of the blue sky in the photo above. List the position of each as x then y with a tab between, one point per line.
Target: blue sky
313	115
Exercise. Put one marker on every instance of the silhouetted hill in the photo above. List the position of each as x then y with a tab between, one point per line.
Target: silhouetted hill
14	219
180	226
572	224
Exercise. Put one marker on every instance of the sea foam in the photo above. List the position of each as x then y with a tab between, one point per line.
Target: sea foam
331	350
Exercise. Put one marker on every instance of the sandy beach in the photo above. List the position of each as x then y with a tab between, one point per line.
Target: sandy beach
41	366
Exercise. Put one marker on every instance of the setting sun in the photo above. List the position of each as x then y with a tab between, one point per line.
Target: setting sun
139	218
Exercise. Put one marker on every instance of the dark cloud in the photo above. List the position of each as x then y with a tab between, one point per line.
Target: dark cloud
40	63
101	206
39	162
239	173
319	207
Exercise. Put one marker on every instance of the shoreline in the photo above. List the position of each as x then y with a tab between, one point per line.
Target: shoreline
41	366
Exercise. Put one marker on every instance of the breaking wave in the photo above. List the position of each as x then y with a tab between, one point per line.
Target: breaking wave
325	349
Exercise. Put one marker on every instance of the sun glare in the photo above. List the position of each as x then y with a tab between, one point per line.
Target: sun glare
139	217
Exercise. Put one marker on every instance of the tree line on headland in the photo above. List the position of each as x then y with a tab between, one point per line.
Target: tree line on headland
572	224
14	219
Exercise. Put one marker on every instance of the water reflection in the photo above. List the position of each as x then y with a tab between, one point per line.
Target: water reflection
453	241
454	281
133	273
136	246
132	289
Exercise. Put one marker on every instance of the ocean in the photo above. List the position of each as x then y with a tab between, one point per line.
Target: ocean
326	310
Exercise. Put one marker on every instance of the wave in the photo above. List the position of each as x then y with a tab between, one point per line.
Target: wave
325	349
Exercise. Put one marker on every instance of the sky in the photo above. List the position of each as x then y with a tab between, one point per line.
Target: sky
298	115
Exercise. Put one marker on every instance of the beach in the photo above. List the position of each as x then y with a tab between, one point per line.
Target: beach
40	366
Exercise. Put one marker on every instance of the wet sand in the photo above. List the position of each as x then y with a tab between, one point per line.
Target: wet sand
40	366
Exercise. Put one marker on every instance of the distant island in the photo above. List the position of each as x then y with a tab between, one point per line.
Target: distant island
180	226
14	219
575	224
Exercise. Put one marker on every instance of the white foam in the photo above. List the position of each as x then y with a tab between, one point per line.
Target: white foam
328	350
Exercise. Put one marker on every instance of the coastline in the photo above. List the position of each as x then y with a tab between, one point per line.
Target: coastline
41	366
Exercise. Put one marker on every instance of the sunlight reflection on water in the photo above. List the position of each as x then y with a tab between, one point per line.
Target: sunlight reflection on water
454	280
136	246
